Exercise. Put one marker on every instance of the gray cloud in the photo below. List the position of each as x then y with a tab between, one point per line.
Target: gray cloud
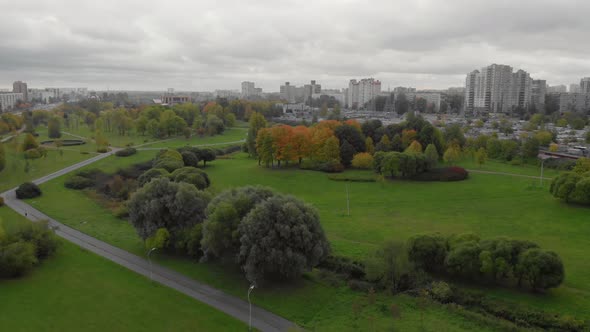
205	45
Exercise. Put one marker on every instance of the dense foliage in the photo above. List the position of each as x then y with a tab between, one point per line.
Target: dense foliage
126	152
28	190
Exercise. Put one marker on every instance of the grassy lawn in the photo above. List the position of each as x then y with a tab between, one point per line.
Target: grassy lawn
379	211
14	172
79	291
505	167
133	138
229	135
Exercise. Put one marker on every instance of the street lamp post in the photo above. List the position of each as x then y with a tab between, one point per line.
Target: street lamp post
250	305
150	260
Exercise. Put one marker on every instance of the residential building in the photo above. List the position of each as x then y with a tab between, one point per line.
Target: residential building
496	88
432	100
8	100
557	89
309	90
576	102
291	93
227	93
249	90
575	88
170	98
362	92
339	96
21	87
585	85
401	89
42	95
538	92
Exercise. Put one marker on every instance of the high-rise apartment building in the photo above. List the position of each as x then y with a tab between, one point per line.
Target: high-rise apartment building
585	85
557	89
363	91
309	90
574	88
538	91
8	100
249	89
496	88
21	87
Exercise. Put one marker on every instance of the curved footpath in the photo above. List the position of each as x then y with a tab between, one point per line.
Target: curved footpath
261	319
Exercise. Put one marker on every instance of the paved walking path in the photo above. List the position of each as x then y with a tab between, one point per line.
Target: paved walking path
509	174
261	319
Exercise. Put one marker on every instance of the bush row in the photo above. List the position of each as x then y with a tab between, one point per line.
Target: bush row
453	173
126	152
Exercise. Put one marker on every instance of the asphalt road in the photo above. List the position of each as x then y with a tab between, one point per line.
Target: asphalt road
261	319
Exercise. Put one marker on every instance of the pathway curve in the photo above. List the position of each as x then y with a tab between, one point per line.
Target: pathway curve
261	319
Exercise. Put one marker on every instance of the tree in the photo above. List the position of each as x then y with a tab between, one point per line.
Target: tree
427	251
454	134
165	204
264	147
2	157
553	147
300	143
370	146
542	269
481	156
384	144
363	160
214	125
401	104
431	155
206	155
189	158
29	142
421	104
408	136
331	150
388	265
281	237
352	135
53	127
16	259
257	122
224	214
191	175
463	260
27	190
347	152
415	147
452	154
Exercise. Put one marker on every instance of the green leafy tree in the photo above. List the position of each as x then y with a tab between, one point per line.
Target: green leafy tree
542	269
370	145
384	144
427	251
257	122
331	150
160	240
221	236
530	148
281	237
2	157
29	142
431	154
214	125
481	156
165	204
54	127
414	147
388	266
347	152
452	154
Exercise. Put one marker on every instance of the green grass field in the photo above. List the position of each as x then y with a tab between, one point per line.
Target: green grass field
14	173
379	211
79	291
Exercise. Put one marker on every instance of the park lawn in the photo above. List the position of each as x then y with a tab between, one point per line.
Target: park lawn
114	139
77	290
487	204
310	303
14	173
229	137
506	167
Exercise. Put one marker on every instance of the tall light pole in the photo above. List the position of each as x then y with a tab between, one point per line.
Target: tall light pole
150	260
250	305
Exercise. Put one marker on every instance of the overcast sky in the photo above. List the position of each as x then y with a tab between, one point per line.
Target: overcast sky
205	45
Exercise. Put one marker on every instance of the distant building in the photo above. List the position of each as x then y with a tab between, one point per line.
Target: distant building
309	90
557	89
21	87
249	90
585	85
539	90
574	102
291	93
339	96
173	99
401	89
8	100
363	91
575	88
227	94
496	88
456	91
42	95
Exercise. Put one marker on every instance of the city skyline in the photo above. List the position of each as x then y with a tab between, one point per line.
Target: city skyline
131	45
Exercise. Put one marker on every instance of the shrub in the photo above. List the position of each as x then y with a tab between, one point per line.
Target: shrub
190	159
152	174
126	152
332	166
362	160
78	182
28	190
572	187
32	154
427	251
16	259
191	175
453	173
89	173
542	269
102	150
441	291
343	265
360	286
41	236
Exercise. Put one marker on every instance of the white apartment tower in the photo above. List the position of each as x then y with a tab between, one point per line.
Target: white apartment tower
248	89
363	91
496	88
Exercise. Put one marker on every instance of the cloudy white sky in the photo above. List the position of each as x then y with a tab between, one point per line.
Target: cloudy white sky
216	44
